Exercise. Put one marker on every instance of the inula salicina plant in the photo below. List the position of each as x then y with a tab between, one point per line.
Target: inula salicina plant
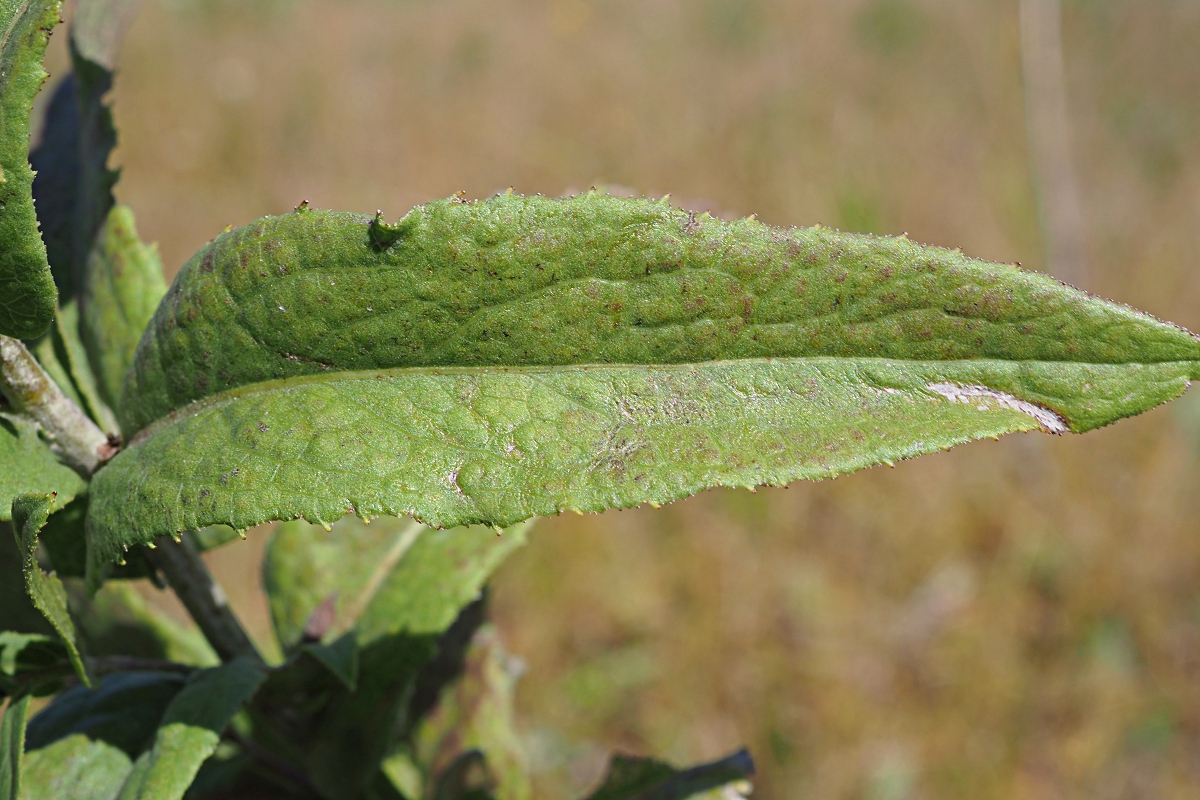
447	378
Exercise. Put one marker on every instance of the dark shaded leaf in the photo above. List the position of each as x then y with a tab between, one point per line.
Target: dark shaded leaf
55	161
190	730
123	711
32	664
117	621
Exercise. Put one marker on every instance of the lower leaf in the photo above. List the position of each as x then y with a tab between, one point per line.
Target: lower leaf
30	512
497	446
190	730
27	464
12	745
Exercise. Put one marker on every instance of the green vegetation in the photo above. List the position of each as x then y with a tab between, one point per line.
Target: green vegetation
472	366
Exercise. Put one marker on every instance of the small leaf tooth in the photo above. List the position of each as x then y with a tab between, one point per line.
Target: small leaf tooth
328	528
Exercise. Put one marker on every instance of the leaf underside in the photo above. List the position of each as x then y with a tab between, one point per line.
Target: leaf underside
488	362
27	293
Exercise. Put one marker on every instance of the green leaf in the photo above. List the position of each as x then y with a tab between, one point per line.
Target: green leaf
390	609
32	664
83	745
73	186
123	286
118	621
30	512
321	581
123	710
190	730
28	465
27	293
84	380
12	746
75	767
493	361
648	779
476	713
66	545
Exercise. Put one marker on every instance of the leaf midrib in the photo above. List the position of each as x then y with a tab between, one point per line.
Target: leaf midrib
296	381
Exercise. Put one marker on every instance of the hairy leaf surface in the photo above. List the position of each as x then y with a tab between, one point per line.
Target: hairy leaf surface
28	465
122	287
492	361
30	512
77	767
27	293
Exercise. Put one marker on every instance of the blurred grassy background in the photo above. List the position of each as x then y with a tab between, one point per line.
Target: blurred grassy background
1018	619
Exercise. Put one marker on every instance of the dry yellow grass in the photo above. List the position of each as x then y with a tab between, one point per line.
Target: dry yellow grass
1010	620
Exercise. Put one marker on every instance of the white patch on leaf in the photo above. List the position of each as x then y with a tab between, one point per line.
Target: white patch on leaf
1051	421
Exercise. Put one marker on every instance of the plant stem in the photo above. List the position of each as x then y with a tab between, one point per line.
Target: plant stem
203	597
30	390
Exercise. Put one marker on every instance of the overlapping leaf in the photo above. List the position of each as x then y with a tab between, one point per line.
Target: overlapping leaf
27	464
83	745
27	293
30	512
139	735
492	361
476	713
122	287
73	187
190	730
371	603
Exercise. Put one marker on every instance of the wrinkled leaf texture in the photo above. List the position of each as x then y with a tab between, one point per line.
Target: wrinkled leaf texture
27	293
491	361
